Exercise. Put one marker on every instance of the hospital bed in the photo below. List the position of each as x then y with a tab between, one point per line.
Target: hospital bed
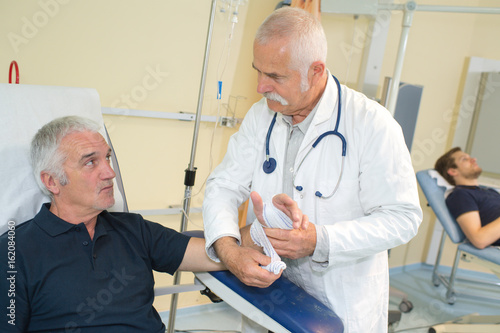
282	307
434	187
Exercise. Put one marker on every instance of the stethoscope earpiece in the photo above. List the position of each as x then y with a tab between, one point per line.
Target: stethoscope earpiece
269	165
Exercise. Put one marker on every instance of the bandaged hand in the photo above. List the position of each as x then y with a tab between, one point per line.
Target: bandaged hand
276	215
285	204
273	218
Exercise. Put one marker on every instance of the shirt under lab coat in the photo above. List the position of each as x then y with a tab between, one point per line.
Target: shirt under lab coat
375	208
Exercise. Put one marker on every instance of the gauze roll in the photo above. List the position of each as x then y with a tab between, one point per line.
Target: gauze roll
274	218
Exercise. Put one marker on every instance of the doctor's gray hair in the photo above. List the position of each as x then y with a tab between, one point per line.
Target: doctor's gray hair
45	153
304	32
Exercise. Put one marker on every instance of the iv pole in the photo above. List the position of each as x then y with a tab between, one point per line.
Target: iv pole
190	172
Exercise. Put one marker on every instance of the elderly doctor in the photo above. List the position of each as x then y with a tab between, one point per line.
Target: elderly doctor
360	205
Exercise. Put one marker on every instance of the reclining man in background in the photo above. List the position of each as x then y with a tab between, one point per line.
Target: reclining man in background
476	208
78	267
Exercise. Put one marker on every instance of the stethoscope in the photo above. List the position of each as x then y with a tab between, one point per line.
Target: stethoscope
270	163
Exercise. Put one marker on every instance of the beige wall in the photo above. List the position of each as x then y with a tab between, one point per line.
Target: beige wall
116	46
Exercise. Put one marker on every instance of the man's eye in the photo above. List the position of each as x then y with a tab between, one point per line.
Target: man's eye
91	162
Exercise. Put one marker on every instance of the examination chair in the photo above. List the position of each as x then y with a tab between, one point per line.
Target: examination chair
434	187
283	307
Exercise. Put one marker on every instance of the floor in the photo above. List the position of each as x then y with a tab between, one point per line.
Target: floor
429	302
429	305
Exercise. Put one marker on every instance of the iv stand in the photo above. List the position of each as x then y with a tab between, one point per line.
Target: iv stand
191	170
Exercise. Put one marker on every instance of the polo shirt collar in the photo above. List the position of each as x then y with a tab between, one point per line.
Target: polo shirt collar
55	226
102	225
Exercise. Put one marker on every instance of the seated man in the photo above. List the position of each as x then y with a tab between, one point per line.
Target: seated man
476	209
77	267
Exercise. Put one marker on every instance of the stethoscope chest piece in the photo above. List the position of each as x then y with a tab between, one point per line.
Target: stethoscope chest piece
269	165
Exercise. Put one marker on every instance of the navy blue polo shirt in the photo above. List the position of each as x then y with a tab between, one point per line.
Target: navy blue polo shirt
66	282
486	201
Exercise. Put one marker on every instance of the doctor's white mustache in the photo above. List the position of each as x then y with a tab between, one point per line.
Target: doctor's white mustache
275	97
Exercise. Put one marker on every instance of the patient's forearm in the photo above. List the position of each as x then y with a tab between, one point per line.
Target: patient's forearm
488	234
246	239
480	236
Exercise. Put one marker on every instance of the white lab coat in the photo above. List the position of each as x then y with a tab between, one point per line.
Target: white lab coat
375	208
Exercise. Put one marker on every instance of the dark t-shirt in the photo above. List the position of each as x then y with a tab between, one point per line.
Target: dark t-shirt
486	201
67	282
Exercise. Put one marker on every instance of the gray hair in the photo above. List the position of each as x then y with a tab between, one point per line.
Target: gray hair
45	153
304	32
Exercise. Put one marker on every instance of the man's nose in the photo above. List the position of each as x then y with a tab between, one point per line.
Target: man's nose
263	84
107	171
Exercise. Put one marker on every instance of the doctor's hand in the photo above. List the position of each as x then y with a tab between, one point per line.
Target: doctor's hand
244	262
284	203
293	243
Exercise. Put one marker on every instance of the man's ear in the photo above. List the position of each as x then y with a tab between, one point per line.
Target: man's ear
50	182
452	172
316	70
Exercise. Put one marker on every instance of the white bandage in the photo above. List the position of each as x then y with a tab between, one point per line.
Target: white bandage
274	218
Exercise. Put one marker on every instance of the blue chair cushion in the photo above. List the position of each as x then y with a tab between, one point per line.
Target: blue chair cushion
286	303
